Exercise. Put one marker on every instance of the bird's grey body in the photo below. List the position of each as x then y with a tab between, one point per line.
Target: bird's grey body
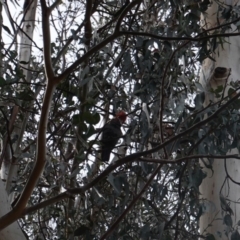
111	133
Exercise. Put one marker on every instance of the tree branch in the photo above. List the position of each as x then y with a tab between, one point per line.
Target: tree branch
130	206
47	41
71	192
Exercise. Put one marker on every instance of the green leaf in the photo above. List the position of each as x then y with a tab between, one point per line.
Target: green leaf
231	92
118	182
26	96
199	100
196	177
225	205
145	232
82	230
90	132
85	81
117	187
227	219
98	197
92	118
204	4
6	29
210	237
219	89
227	12
2	82
199	86
13	54
84	72
235	235
78	121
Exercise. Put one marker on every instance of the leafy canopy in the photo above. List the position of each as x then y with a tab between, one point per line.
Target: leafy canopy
142	57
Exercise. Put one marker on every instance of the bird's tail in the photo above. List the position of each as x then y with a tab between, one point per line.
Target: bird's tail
106	155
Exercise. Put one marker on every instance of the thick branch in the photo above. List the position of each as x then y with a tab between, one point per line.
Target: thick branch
87	55
110	168
190	39
69	192
17	211
135	156
117	34
47	41
88	24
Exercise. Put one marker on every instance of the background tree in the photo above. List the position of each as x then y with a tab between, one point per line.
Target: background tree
100	56
220	191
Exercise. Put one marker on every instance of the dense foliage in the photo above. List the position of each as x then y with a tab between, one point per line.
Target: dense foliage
142	57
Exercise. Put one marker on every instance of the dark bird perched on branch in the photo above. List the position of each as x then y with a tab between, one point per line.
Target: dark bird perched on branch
111	133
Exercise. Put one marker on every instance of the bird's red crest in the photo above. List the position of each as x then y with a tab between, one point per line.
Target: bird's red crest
121	115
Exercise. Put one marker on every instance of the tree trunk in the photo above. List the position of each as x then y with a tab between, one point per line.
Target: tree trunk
13	231
225	68
10	172
9	166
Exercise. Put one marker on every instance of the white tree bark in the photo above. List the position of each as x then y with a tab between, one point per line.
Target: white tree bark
13	231
9	169
228	57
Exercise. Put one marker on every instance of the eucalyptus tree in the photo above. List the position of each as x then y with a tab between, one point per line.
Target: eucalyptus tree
88	60
220	78
12	70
